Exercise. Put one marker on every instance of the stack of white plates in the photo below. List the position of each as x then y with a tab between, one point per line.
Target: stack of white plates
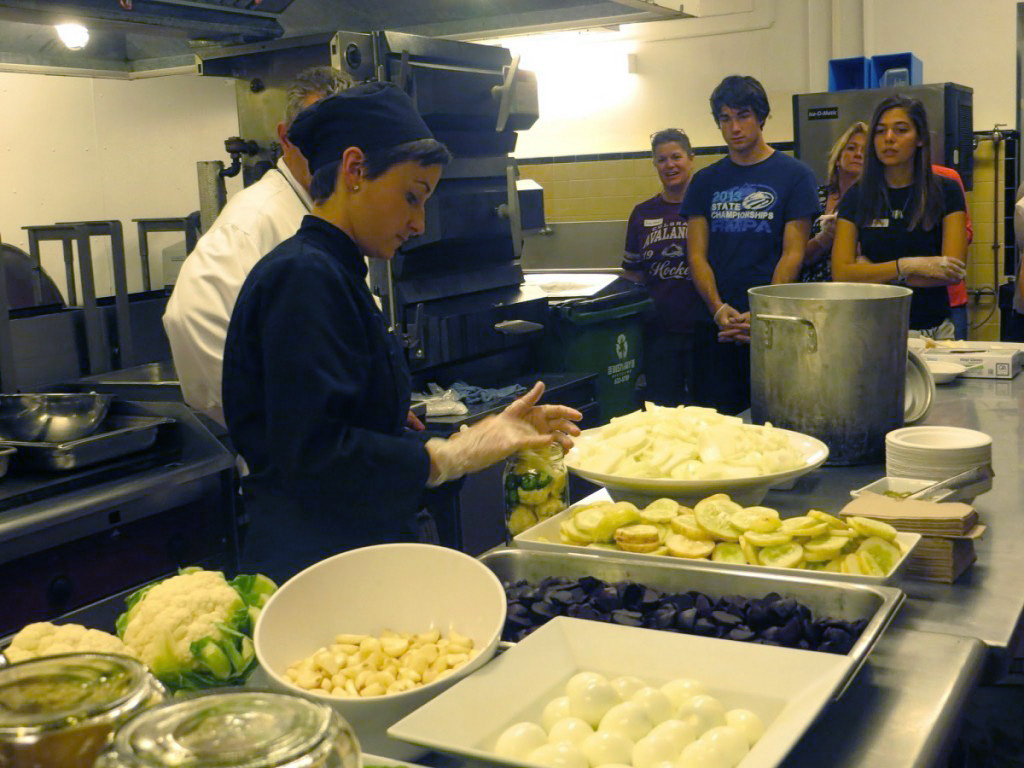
935	453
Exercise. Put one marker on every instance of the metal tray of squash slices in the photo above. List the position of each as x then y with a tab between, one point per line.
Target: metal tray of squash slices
547	536
873	606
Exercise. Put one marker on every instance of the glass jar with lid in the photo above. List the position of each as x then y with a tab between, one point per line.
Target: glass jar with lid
60	711
243	729
535	486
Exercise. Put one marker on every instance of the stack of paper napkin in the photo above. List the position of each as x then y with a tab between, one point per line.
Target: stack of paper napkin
948	532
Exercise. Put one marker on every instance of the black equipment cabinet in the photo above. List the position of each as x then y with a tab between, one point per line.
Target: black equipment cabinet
456	292
820	118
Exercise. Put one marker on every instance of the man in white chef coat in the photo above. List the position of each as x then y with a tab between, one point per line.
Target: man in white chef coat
254	221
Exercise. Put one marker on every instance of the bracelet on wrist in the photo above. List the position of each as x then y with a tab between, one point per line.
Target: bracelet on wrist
900	277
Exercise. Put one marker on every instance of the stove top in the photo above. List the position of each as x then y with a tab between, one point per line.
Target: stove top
21	486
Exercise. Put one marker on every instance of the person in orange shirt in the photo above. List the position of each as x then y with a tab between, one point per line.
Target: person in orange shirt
958	291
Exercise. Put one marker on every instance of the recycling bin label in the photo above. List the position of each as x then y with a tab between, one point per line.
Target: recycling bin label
621	372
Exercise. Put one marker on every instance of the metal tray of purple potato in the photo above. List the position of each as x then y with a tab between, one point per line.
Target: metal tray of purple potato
872	606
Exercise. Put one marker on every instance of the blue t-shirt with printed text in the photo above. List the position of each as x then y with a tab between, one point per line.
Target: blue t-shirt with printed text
747	208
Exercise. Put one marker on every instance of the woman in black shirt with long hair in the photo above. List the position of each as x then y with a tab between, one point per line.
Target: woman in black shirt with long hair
909	224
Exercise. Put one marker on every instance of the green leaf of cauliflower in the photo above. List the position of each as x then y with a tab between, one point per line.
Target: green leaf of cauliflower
255	588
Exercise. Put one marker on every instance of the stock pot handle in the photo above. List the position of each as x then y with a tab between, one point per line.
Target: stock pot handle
811	339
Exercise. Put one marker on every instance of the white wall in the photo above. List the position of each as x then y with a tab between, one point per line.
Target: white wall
971	42
91	149
784	43
84	149
600	107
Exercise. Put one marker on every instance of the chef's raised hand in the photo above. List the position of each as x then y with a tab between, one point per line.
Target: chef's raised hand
522	425
550	420
819	245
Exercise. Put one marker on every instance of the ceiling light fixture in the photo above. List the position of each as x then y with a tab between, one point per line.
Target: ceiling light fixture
74	36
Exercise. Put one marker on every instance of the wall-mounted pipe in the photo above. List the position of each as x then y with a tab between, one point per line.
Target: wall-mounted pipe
996	137
848	23
997	244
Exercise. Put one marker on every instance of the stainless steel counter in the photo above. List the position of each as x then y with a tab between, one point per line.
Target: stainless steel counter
158	374
903	708
987	602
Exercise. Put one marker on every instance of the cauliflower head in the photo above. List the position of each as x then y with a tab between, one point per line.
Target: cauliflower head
194	629
45	639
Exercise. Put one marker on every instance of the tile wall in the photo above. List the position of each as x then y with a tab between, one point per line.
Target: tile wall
606	187
589	189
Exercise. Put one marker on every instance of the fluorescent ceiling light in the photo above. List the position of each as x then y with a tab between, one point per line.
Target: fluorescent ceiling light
74	36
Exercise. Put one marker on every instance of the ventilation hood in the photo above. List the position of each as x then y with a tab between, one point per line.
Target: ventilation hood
132	37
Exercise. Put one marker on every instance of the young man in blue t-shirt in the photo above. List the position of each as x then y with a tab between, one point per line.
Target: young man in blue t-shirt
748	217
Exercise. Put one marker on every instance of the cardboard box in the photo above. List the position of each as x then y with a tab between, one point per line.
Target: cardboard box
984	359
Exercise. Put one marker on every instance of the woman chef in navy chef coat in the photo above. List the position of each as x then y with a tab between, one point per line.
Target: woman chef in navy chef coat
316	391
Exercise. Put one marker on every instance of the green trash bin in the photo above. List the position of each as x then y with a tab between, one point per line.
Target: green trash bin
603	336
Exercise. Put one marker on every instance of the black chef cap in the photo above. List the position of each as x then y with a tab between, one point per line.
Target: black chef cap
371	116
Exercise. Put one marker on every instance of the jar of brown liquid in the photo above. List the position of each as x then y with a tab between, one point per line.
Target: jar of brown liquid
61	711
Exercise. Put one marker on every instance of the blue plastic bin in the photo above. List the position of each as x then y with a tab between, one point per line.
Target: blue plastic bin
886	62
850	74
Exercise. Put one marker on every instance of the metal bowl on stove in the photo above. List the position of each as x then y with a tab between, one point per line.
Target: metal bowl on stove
51	418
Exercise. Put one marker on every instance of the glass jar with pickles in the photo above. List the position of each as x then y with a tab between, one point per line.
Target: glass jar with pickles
536	487
61	711
242	729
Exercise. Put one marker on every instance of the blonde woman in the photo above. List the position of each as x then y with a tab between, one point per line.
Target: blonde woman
845	164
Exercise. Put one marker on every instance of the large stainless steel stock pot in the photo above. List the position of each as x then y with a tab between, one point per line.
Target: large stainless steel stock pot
829	360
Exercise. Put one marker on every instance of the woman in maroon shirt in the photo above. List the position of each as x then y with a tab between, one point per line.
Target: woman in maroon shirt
656	257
